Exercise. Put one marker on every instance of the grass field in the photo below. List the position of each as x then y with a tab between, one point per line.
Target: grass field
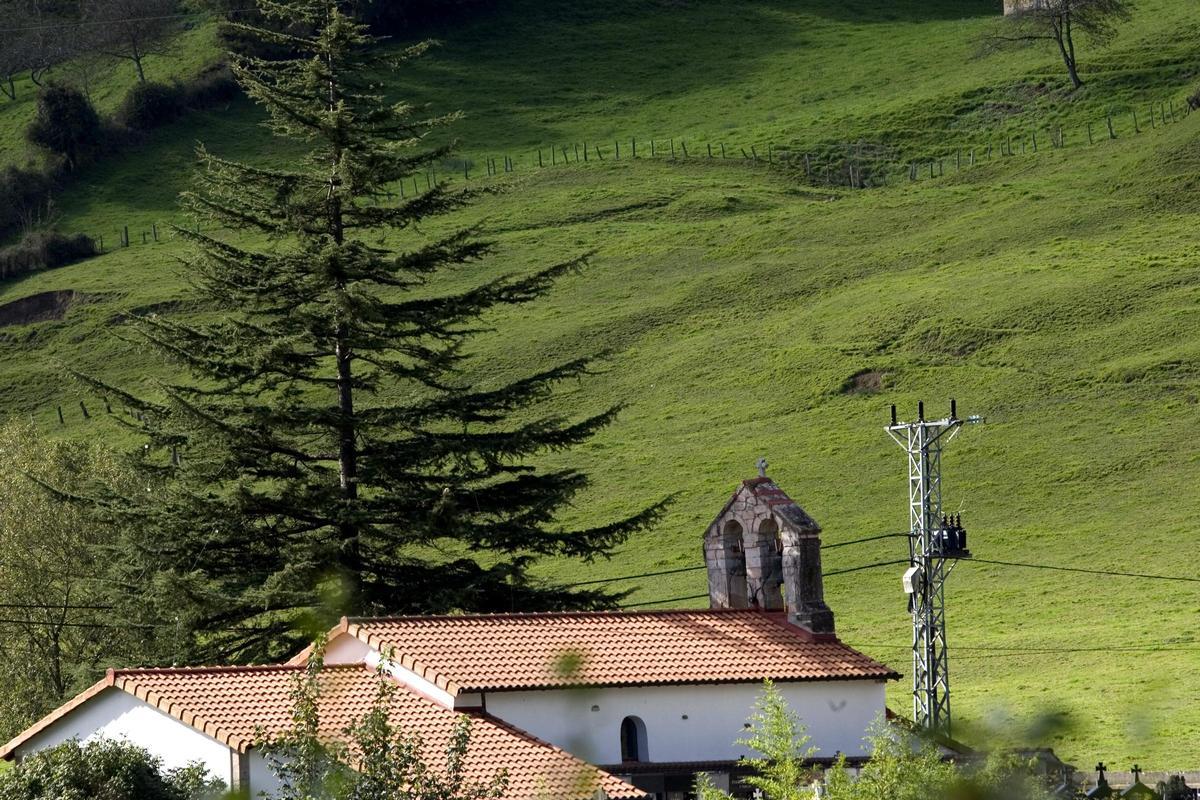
1054	293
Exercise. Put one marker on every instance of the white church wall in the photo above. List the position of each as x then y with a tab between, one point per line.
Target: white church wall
262	778
688	723
115	714
347	649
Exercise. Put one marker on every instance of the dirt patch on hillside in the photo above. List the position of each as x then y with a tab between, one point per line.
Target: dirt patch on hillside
866	381
41	307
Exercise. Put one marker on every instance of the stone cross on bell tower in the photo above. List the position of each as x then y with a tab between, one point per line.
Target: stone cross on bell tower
764	551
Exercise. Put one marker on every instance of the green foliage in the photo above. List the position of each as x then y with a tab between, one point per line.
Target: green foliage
66	125
44	249
374	758
103	770
337	458
54	555
1051	292
24	197
150	104
903	766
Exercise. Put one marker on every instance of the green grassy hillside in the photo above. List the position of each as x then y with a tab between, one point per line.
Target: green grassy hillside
1055	292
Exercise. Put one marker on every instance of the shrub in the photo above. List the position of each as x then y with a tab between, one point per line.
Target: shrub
24	195
103	769
1194	101
150	105
44	249
66	124
214	84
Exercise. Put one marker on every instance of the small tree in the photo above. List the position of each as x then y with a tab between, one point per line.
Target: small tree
131	29
375	759
1058	22
339	455
903	765
103	770
66	124
55	634
781	772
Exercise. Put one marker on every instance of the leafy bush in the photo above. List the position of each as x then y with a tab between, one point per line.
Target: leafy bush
214	84
66	124
44	249
101	770
903	766
150	105
24	194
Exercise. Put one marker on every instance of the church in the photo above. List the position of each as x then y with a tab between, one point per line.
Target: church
570	705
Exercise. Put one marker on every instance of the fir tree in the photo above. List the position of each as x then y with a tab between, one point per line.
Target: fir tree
327	454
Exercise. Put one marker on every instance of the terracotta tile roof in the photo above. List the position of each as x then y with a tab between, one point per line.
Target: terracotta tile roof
531	651
237	705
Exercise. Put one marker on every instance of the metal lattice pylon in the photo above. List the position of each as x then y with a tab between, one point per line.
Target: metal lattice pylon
932	556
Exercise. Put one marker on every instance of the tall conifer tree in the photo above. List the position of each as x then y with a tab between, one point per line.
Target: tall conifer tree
334	457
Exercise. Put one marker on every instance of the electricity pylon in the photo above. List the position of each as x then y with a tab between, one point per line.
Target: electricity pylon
935	542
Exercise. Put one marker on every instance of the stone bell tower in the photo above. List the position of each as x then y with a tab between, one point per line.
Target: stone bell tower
764	551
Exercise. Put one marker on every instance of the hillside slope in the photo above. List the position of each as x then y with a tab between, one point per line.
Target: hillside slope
1055	292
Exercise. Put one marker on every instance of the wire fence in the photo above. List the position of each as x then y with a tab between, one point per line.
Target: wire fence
848	165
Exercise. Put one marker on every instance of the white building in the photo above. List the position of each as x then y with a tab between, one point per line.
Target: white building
635	703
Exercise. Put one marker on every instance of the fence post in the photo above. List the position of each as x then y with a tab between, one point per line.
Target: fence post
83	408
154	227
540	164
989	151
599	154
1172	109
1091	141
754	153
633	143
770	153
143	237
1034	141
125	236
1138	128
653	150
564	152
723	150
61	421
585	155
107	406
972	162
577	152
807	166
617	147
710	149
1111	133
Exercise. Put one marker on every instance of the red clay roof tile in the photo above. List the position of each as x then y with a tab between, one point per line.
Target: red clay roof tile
532	651
240	705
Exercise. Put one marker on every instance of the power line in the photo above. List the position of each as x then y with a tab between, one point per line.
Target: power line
1046	649
831	573
906	534
633	577
83	23
53	607
663	602
1115	573
702	566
